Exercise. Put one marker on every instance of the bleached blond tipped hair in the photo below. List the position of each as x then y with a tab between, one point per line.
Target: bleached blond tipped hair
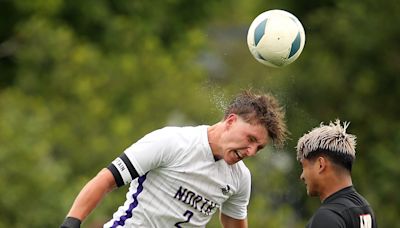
332	137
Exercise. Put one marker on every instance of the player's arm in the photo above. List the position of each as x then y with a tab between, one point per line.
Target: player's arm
120	172
88	198
229	222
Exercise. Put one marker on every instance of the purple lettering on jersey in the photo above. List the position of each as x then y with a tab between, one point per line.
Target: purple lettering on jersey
133	205
205	203
196	201
188	197
180	193
210	207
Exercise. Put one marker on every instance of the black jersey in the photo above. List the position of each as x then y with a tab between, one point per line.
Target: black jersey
345	208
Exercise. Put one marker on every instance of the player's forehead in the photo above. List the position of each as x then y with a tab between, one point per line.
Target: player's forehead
303	162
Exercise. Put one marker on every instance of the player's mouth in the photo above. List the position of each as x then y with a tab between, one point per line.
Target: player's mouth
238	155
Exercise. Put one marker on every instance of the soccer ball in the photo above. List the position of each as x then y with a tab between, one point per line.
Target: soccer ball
276	38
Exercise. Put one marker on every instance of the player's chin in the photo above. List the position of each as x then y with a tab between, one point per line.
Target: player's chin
232	159
311	193
307	190
229	162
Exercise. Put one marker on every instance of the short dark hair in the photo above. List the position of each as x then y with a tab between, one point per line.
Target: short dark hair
260	109
338	158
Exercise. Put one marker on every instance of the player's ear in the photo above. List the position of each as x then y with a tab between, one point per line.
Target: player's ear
322	163
230	119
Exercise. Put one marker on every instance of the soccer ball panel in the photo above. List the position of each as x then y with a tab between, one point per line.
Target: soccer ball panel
259	31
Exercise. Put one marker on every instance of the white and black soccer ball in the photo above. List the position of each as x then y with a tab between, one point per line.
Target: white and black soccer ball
276	38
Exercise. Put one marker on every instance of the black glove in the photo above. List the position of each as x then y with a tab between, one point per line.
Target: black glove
71	222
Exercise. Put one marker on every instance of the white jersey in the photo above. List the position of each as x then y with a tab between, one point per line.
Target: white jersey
180	184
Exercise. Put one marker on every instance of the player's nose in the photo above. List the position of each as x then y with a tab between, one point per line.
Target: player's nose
251	151
302	177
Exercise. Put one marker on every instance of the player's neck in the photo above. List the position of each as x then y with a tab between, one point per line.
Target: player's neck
334	185
213	134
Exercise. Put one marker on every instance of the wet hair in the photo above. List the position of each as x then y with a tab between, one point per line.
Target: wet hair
260	109
329	140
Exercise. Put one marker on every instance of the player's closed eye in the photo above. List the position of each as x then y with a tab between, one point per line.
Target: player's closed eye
252	139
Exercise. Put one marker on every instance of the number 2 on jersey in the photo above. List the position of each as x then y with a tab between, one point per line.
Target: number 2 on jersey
189	215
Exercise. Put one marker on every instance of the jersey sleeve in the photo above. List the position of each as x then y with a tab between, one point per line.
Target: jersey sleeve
122	170
236	205
152	151
325	218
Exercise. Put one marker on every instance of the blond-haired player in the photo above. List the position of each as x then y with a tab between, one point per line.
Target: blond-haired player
326	154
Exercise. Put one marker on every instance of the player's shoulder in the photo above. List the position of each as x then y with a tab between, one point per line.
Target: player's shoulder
345	199
241	170
326	213
242	166
176	133
182	131
326	217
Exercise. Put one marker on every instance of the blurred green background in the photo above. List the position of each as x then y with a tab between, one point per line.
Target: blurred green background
82	80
